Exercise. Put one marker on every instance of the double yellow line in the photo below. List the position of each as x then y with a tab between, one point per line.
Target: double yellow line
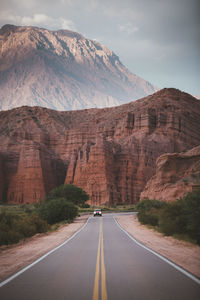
100	258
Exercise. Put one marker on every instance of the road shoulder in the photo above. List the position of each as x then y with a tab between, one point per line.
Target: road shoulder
16	257
181	253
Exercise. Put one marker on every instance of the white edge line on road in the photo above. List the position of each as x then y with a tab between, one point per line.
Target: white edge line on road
42	257
194	278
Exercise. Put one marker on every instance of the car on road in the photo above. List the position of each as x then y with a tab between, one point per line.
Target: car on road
97	212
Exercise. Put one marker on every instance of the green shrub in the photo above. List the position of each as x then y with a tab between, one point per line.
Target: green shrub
70	193
179	218
57	210
6	220
14	227
182	217
40	224
171	219
9	237
150	217
25	227
149	210
147	204
191	212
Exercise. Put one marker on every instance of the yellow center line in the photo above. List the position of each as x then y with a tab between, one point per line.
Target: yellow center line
96	281
103	273
103	270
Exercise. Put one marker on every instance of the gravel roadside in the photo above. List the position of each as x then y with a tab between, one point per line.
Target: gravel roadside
182	253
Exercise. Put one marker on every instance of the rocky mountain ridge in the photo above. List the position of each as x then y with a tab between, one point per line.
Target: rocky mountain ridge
62	70
111	153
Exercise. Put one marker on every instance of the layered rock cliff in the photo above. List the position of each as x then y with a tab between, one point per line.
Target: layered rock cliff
110	152
38	172
62	70
176	174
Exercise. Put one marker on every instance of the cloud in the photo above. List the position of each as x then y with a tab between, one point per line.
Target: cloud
37	19
67	2
128	28
27	4
8	17
67	24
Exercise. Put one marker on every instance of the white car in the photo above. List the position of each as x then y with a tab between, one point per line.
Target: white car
97	212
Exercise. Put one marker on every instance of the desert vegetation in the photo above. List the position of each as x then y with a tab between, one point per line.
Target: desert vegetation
22	221
180	218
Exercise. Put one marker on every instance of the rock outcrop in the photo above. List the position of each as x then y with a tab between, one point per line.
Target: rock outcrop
111	153
176	174
62	70
37	173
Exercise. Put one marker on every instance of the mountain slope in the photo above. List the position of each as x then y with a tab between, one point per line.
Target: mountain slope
62	70
111	153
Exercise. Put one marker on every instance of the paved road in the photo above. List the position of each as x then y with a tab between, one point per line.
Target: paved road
101	263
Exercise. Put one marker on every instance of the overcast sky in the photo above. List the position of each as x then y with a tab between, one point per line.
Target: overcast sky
158	40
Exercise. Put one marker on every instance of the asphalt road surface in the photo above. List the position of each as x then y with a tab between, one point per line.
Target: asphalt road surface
101	263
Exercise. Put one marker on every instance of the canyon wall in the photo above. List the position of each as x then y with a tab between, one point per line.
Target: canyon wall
176	174
111	153
36	174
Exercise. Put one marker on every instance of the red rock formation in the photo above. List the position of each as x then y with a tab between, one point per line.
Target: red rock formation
92	169
35	175
176	174
27	185
111	152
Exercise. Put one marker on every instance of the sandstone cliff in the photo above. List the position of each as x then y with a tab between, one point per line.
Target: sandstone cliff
176	174
62	70
109	152
37	173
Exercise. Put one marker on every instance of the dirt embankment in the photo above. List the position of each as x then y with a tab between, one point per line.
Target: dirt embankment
16	257
182	253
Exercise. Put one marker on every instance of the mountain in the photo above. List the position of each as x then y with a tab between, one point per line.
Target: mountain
62	70
111	153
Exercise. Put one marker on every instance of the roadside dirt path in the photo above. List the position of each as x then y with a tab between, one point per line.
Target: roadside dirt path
182	253
16	257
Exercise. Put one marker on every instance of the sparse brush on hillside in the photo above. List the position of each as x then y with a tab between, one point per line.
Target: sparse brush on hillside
179	218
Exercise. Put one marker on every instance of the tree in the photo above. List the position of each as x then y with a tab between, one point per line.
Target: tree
70	193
